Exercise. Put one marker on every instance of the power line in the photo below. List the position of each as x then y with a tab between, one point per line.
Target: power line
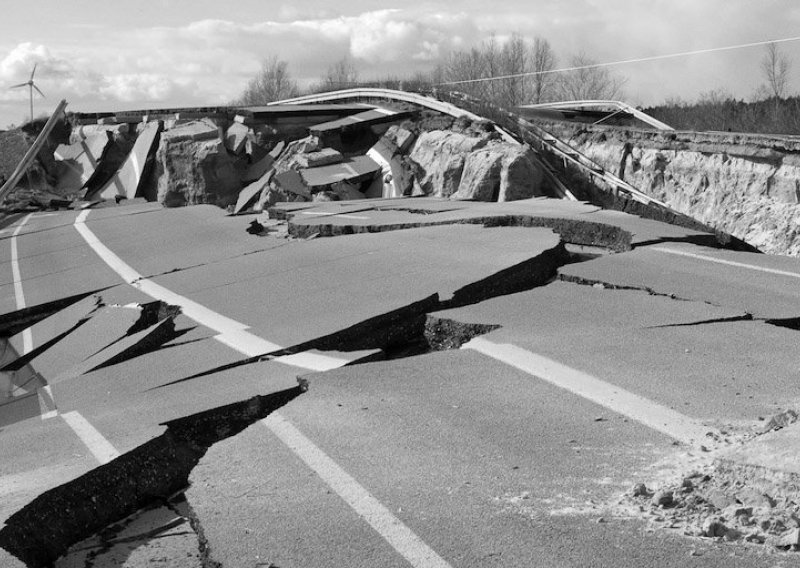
625	61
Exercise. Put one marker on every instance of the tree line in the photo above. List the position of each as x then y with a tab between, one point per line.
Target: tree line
527	71
509	73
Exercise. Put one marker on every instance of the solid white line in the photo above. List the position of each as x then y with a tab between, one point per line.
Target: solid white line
101	448
328	214
27	335
392	529
643	410
728	262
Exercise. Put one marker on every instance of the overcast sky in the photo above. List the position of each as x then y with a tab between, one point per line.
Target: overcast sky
121	54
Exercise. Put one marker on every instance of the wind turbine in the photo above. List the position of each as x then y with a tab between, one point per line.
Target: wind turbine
31	86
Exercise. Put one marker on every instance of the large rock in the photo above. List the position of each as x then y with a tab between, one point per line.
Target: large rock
438	159
194	169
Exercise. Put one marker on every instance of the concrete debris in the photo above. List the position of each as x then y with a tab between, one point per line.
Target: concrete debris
80	160
258	169
321	157
236	137
194	170
133	175
356	170
194	131
250	194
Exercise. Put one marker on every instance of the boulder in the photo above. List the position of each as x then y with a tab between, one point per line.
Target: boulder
193	171
438	160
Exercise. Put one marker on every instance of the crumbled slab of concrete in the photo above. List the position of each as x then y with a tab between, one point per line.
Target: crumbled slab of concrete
156	536
748	492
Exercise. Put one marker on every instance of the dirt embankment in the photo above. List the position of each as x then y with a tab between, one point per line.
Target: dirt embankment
745	185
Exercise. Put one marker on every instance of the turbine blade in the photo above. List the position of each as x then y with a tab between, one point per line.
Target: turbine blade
34	71
17	86
38	91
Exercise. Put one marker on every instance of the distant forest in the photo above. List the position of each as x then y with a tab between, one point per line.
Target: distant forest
716	111
521	71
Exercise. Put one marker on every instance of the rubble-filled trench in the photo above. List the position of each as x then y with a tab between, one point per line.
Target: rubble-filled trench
153	476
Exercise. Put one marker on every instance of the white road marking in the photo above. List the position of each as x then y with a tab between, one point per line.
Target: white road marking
728	262
101	448
27	336
47	404
326	214
643	410
392	529
231	332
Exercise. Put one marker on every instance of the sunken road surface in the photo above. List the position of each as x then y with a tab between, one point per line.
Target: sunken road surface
393	382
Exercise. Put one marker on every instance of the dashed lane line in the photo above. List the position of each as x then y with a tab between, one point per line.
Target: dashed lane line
727	262
233	334
645	411
101	448
392	529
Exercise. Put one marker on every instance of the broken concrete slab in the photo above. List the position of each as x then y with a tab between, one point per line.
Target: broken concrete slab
127	347
769	458
128	181
15	322
152	473
251	193
114	131
105	326
292	182
396	179
321	157
360	120
236	137
162	534
80	160
258	169
355	170
195	131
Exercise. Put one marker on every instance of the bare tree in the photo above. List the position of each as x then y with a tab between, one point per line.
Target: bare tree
775	66
510	92
272	83
588	81
341	75
542	61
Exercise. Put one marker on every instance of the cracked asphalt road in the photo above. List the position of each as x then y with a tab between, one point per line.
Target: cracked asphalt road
481	462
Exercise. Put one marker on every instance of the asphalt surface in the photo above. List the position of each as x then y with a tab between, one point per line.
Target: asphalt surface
449	458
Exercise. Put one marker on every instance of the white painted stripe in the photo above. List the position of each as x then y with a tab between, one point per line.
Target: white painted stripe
728	262
231	332
392	529
101	448
328	214
27	336
312	361
47	404
643	410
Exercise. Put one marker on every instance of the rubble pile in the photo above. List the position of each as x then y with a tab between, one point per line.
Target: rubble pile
249	162
725	499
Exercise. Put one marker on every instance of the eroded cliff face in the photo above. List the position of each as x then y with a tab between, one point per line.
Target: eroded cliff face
748	186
